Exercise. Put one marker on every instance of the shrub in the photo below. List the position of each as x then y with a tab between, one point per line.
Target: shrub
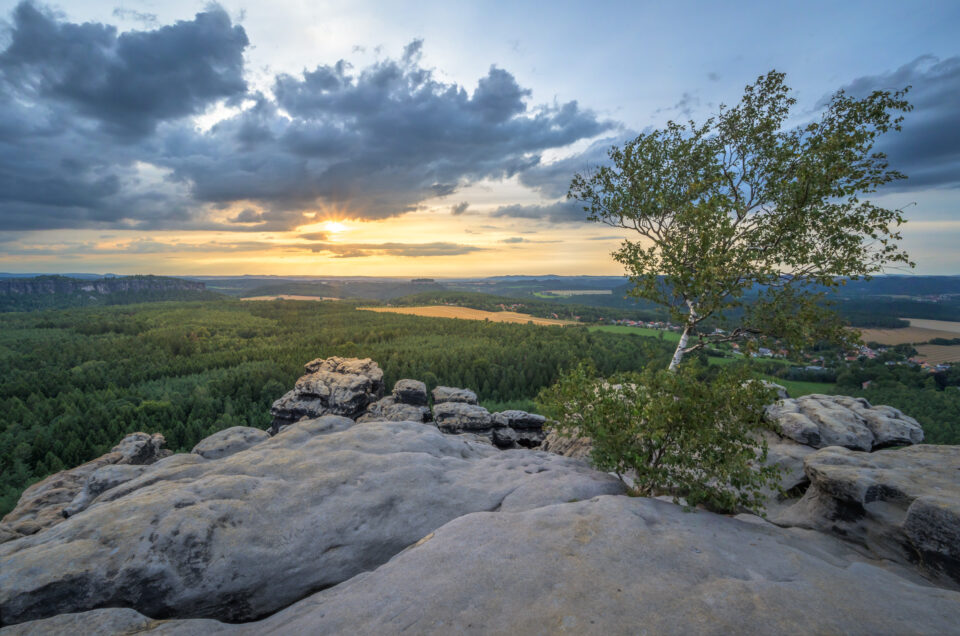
673	433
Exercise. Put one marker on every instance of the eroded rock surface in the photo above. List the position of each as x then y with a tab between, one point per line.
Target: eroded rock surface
462	417
610	565
331	386
837	420
413	392
903	504
42	504
229	441
407	403
249	533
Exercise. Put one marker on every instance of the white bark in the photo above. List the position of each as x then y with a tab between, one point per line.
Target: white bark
678	354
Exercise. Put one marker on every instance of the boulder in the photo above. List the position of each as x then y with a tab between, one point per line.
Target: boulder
837	420
229	441
389	410
443	394
519	420
331	386
462	417
245	535
609	565
903	504
42	504
413	392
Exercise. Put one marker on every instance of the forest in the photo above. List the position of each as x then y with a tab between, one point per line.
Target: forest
74	381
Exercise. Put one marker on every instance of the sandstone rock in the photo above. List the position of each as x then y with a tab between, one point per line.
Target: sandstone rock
462	417
389	410
332	386
836	420
443	394
574	446
412	392
102	480
610	565
903	504
42	504
519	420
229	441
245	535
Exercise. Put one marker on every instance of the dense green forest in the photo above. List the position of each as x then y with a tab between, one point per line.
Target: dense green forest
73	382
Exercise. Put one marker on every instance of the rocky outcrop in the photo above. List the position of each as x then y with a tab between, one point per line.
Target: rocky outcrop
610	565
331	386
903	504
413	392
837	420
509	429
443	394
45	503
46	285
229	441
407	403
568	446
245	535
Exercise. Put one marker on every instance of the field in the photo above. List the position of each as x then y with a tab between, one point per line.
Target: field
939	325
466	313
936	354
290	297
580	292
669	336
907	335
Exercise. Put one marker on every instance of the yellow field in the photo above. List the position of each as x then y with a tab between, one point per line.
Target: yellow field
939	325
290	297
465	313
935	354
907	335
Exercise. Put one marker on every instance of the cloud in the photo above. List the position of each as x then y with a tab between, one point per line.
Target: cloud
409	250
131	82
553	179
96	130
515	239
927	150
459	208
135	16
557	211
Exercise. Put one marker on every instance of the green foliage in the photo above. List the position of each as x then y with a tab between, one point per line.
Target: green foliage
742	203
73	382
671	433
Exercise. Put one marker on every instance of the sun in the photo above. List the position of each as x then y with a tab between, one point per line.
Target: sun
335	227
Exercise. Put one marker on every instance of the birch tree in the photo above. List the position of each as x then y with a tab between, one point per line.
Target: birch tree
745	221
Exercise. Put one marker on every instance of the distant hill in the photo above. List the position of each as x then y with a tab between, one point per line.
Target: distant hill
57	292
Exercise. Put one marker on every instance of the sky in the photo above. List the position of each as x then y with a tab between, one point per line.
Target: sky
429	139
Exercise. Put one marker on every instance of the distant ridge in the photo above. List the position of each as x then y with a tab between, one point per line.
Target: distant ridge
53	292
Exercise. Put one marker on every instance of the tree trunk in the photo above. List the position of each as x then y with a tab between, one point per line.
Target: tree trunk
678	354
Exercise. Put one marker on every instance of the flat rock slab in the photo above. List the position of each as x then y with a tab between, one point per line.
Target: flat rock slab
610	565
904	504
443	394
243	536
838	420
462	417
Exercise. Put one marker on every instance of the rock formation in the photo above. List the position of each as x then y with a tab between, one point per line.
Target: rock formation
247	534
903	504
390	523
334	386
609	565
44	503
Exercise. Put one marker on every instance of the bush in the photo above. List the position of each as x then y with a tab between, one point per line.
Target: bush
672	433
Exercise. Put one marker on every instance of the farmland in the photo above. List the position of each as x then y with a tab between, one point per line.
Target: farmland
466	313
938	354
907	335
289	297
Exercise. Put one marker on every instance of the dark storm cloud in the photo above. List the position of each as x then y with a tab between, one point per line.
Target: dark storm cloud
373	143
128	82
95	130
552	180
927	150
